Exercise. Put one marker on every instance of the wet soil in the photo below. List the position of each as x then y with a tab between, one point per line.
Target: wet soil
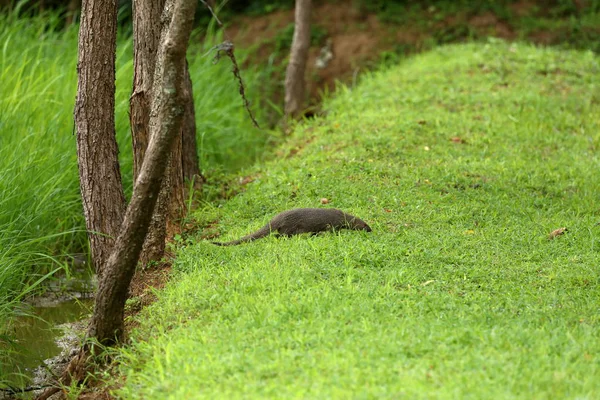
46	338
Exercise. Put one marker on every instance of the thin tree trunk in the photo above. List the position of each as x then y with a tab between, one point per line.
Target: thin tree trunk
175	188
191	164
166	119
170	205
146	38
97	152
147	28
294	75
151	20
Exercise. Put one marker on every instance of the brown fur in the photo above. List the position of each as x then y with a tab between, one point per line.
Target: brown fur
304	220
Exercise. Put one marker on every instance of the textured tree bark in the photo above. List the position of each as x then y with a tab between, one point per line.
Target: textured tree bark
99	174
97	152
147	28
170	206
146	38
191	164
166	118
175	188
151	20
294	75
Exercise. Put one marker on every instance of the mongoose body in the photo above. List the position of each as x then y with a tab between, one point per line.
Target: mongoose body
304	220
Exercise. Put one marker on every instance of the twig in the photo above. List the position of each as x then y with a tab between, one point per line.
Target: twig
212	12
227	48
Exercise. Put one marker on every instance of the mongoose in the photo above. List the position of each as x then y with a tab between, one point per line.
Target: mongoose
304	220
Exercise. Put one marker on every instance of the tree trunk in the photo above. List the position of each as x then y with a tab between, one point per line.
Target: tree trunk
170	207
294	75
191	164
147	28
97	152
151	20
146	38
166	118
175	187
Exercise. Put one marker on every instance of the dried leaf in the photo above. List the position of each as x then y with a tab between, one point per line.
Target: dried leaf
246	180
557	232
458	139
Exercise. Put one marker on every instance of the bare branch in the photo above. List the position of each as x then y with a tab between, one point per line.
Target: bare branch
227	47
211	11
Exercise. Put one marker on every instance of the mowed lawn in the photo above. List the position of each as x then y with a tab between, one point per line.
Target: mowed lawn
463	161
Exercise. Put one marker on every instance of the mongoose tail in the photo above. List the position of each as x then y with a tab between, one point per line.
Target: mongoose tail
261	233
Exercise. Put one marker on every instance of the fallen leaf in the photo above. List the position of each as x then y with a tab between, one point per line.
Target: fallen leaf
458	139
246	180
557	232
422	122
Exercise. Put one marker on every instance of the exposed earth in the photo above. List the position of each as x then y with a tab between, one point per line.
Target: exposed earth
360	40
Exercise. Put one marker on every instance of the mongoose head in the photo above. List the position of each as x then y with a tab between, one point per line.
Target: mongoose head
358	224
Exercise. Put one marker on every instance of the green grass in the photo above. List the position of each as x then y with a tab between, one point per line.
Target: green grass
457	292
440	22
41	218
40	210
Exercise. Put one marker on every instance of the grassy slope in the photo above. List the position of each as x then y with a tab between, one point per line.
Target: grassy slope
457	293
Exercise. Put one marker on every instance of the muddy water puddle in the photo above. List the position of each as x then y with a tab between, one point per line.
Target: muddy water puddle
45	333
48	330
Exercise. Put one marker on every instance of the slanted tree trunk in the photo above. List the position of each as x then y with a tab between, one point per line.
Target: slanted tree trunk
294	75
97	152
166	119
